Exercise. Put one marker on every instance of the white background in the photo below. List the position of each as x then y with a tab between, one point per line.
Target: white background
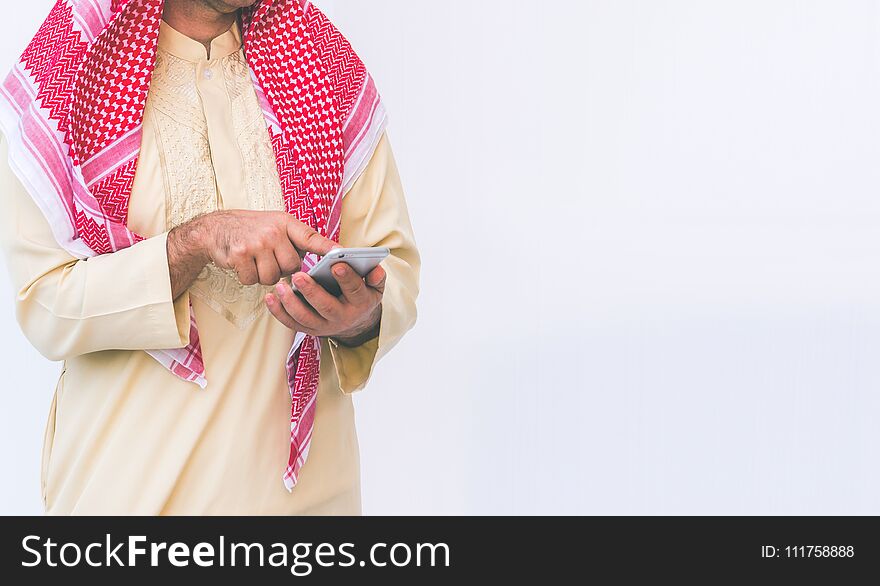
651	261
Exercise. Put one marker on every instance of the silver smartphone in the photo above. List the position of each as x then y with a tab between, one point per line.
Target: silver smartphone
362	260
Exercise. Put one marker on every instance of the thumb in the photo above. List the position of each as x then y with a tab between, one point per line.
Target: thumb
306	239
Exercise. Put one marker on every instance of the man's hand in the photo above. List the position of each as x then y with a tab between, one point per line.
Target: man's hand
261	247
351	319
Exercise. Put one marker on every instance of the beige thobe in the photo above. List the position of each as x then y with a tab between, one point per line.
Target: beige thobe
125	436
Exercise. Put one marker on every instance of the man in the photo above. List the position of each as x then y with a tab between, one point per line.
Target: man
171	165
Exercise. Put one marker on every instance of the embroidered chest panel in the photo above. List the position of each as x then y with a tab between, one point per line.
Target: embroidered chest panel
189	176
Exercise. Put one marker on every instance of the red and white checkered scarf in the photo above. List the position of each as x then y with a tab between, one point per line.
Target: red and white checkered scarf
72	112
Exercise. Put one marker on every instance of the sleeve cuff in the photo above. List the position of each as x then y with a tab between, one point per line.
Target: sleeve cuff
170	318
354	365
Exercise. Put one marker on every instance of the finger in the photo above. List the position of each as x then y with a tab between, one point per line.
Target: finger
287	258
268	270
278	312
299	309
307	240
354	290
376	279
327	306
246	271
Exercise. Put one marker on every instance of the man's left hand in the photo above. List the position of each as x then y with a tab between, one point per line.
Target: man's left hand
350	319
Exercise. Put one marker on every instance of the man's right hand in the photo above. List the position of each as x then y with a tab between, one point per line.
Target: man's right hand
261	247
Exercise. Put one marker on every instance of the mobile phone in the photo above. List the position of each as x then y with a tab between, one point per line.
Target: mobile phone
362	260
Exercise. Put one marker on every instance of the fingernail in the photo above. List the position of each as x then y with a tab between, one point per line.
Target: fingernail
339	270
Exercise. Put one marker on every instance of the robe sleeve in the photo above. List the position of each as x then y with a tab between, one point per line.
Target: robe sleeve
68	307
374	213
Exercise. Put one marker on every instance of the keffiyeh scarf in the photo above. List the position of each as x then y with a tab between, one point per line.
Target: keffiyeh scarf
72	111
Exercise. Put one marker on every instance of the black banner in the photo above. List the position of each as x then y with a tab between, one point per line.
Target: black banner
404	550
